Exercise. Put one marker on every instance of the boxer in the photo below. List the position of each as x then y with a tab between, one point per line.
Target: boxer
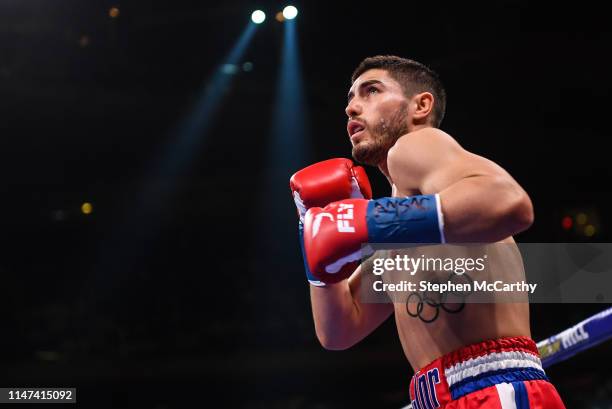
478	356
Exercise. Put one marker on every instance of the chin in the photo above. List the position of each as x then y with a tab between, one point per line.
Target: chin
366	153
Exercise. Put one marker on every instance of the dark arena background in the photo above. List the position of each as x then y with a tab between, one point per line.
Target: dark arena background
149	249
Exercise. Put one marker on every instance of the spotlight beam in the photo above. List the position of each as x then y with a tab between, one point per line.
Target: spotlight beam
288	150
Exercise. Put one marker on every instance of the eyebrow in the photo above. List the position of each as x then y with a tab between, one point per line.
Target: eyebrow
364	84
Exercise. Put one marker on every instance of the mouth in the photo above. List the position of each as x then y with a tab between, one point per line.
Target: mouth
355	129
356	135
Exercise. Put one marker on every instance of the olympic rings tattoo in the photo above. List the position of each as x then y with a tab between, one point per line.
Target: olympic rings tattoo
424	299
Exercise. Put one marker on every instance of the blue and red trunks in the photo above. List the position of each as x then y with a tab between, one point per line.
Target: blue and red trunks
505	373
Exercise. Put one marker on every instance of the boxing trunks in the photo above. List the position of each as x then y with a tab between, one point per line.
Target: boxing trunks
505	373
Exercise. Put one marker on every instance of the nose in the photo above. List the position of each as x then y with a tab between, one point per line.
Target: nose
353	108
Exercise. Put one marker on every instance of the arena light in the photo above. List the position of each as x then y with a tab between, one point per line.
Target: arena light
589	230
258	17
290	12
567	222
229	69
86	208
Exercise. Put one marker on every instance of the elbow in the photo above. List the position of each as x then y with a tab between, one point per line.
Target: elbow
335	340
514	210
521	212
332	343
330	346
527	215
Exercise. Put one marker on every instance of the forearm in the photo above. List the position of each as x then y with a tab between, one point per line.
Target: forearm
484	209
335	315
341	320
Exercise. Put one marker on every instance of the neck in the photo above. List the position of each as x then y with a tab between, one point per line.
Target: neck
418	127
382	166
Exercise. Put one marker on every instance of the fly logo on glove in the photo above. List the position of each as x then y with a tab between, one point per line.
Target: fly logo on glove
344	219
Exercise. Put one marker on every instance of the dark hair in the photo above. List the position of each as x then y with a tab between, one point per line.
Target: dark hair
413	76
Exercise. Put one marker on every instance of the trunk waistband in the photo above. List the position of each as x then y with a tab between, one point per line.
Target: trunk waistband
475	367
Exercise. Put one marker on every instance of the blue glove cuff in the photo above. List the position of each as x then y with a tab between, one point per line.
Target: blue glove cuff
311	278
412	219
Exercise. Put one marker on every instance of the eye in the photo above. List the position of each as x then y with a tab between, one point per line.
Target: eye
372	89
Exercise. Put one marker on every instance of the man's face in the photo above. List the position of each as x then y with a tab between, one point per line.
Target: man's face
378	115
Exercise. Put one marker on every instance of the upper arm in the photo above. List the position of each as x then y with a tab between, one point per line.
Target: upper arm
431	162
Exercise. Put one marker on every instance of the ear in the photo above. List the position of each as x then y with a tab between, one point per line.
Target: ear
422	105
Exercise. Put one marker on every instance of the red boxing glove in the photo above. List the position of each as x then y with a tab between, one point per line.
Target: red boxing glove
322	183
328	181
333	237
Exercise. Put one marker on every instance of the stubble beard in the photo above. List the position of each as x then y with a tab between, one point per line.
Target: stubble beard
382	137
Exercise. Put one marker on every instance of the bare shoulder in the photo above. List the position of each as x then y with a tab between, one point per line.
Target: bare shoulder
429	160
416	153
421	142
